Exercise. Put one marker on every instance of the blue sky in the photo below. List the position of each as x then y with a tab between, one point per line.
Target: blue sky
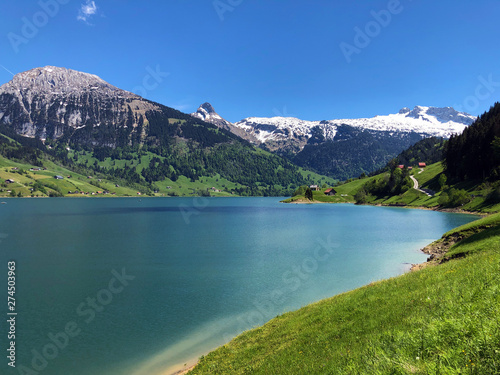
315	60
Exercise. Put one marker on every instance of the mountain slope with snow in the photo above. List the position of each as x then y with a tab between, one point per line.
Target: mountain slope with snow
207	113
426	121
345	148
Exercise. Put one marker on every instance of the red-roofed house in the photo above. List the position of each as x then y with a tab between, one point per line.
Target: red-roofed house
330	191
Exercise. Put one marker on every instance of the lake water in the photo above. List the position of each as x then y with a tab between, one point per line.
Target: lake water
140	286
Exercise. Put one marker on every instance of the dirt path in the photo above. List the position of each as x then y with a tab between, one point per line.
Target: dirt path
415	186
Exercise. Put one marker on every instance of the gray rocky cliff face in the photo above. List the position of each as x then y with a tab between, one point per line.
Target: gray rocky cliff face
54	102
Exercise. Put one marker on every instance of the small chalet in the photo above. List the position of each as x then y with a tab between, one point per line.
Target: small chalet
422	165
401	166
330	191
9	181
59	177
410	168
314	187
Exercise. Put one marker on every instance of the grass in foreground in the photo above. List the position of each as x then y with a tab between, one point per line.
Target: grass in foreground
440	320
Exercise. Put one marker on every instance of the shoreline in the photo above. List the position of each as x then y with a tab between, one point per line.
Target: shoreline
299	201
191	365
448	210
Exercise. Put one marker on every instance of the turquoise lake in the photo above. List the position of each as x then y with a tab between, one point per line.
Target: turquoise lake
146	285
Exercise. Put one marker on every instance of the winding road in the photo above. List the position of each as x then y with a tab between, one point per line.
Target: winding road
415	186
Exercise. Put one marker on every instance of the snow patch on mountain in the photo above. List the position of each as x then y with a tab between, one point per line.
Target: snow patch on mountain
428	121
282	128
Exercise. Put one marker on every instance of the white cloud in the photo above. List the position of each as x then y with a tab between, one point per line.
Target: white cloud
87	10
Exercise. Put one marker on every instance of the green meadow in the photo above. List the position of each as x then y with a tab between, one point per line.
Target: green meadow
477	191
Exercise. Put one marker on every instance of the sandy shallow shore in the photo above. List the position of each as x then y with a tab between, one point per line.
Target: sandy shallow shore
182	369
185	371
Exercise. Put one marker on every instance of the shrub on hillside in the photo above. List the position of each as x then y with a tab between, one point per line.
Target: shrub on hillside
300	191
361	197
309	194
494	196
454	198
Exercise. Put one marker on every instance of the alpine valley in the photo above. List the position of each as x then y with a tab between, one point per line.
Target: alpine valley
64	132
343	148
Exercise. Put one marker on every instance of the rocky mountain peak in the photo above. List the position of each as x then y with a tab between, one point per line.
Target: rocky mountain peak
206	112
54	80
207	107
52	101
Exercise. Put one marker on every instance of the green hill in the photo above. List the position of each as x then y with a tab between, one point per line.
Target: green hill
228	169
440	320
478	196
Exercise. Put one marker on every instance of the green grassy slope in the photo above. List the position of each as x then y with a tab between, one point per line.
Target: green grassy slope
183	186
25	180
428	179
440	320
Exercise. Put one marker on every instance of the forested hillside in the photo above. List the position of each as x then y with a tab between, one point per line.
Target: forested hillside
475	154
353	152
428	150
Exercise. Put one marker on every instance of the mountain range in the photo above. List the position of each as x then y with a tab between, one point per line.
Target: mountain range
344	148
272	131
70	109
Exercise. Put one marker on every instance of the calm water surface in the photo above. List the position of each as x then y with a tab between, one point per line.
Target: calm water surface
192	273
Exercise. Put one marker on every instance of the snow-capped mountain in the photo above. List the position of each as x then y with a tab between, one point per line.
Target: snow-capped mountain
426	121
207	113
